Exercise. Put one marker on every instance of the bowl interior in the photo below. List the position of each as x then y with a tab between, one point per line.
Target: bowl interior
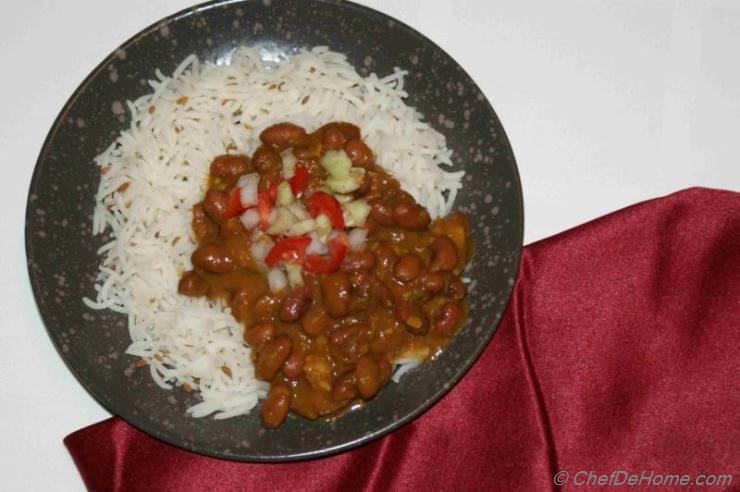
61	251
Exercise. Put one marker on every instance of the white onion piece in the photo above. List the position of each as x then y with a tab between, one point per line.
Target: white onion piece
356	238
277	280
295	274
250	218
323	226
261	246
299	211
301	228
289	162
355	213
273	216
248	188
343	198
316	246
283	221
337	163
284	194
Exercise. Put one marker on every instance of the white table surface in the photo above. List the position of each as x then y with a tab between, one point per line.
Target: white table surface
606	103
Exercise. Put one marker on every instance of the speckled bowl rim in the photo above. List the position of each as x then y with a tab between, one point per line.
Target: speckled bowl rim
156	432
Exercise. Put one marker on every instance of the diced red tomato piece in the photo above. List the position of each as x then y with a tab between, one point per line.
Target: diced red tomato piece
272	192
328	263
264	207
323	203
289	250
234	207
299	181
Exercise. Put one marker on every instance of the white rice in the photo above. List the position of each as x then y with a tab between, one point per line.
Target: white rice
199	112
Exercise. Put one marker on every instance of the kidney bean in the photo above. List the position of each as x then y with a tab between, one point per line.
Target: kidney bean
315	322
266	307
386	256
369	379
448	318
358	261
303	154
456	289
355	319
231	228
295	304
367	285
215	204
383	294
359	153
203	226
267	161
333	138
386	371
259	334
192	284
444	255
212	258
336	291
271	357
431	282
345	387
411	216
241	305
361	283
317	370
382	213
282	136
229	166
350	131
349	342
416	322
407	268
293	366
276	405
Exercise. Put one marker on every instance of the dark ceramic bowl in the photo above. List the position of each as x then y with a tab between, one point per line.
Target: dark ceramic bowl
62	260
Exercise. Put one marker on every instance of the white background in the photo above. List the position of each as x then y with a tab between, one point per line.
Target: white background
605	103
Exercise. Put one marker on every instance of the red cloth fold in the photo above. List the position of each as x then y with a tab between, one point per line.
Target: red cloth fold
618	353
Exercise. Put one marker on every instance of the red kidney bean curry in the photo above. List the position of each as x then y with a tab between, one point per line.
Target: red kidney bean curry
335	272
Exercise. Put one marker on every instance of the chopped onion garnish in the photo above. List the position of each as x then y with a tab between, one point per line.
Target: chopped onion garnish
299	211
316	247
260	247
295	276
355	213
302	227
356	238
284	194
273	216
277	280
337	163
343	198
250	218
289	162
282	222
323	226
345	185
248	187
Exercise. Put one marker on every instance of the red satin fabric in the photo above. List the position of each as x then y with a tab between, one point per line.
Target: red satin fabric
619	351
